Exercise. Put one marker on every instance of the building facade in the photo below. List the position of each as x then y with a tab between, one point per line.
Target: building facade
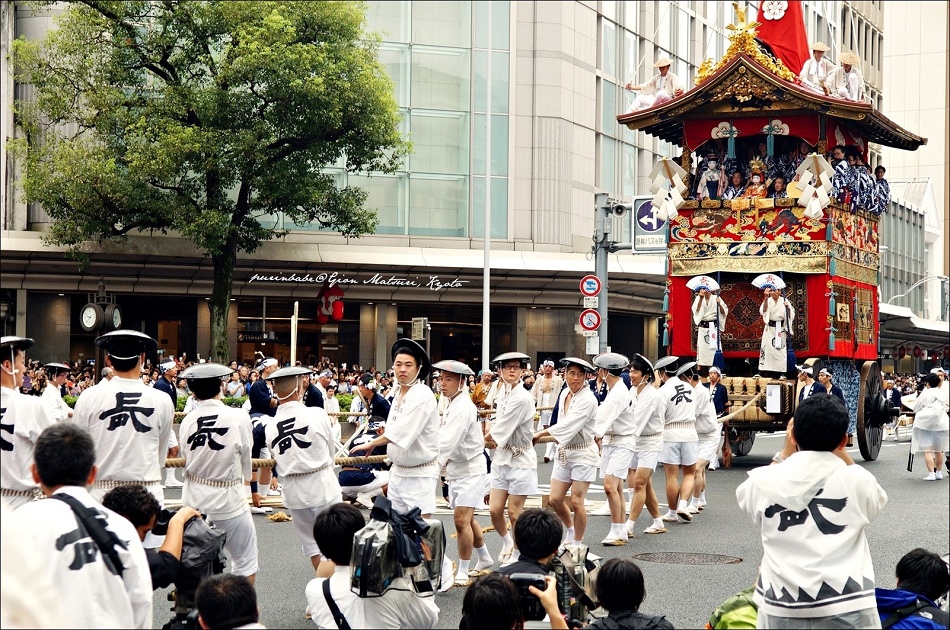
511	108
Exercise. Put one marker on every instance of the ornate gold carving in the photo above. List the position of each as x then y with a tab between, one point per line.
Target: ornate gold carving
742	42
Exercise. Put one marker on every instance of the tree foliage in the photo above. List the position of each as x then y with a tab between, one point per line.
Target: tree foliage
205	119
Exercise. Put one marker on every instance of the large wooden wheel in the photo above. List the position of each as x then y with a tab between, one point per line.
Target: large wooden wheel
742	444
873	411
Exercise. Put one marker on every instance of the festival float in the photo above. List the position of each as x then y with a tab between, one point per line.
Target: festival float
825	250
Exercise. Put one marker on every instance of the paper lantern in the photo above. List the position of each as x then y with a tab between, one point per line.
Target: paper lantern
917	352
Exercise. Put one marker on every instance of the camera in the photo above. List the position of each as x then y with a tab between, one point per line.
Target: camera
161	522
531	608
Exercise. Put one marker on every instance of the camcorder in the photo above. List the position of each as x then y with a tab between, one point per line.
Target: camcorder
531	608
202	555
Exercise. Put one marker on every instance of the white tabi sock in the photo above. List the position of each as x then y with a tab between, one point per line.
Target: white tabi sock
482	553
508	540
569	534
463	567
658	523
682	505
702	496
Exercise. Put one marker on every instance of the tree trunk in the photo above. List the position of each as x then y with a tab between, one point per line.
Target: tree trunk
221	300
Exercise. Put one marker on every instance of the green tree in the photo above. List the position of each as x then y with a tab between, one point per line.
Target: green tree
203	119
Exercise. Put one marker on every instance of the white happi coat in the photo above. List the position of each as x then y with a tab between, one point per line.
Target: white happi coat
814	72
704	315
413	432
300	440
22	419
771	358
648	412
574	430
513	428
707	428
91	594
55	402
130	423
614	421
216	443
461	443
679	411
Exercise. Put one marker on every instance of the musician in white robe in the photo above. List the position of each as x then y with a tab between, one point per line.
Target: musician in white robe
23	420
709	324
129	421
661	88
817	68
301	442
779	315
216	444
847	82
575	466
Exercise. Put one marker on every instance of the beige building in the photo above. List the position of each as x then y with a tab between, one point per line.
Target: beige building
510	102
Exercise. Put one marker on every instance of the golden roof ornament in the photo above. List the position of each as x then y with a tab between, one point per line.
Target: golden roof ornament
742	42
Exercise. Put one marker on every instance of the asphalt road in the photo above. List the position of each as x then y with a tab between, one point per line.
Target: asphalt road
916	516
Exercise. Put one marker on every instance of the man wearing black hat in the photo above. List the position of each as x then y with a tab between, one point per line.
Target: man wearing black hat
217	450
53	394
301	441
22	419
129	421
514	471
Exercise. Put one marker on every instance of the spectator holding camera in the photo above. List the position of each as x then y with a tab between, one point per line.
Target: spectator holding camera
922	578
538	537
620	590
138	506
492	602
812	507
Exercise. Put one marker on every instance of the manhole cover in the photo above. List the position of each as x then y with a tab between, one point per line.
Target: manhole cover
678	557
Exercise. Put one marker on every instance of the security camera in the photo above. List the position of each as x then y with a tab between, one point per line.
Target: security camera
620	210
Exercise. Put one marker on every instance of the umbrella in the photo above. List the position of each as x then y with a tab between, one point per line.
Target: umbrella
766	279
702	282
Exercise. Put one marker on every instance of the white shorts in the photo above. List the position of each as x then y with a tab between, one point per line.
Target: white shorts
303	519
373	488
573	472
521	482
644	459
615	460
406	493
544	419
172	439
708	449
679	453
240	539
467	492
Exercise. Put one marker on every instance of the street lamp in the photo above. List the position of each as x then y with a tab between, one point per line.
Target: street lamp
917	284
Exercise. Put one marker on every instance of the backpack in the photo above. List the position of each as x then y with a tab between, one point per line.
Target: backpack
394	544
917	608
575	570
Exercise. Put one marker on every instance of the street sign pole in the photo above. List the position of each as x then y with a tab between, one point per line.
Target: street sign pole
600	263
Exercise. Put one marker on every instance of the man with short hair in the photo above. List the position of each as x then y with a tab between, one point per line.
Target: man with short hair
301	442
577	457
368	400
130	422
53	394
93	555
227	601
882	191
217	451
480	395
825	382
398	607
22	419
538	535
922	578
312	396
107	373
812	508
707	445
514	471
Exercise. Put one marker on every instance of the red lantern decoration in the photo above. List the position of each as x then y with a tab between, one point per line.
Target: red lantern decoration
917	352
946	352
902	352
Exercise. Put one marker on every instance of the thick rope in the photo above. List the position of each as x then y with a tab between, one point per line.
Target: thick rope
738	411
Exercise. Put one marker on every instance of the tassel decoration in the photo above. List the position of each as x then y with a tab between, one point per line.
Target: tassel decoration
666	335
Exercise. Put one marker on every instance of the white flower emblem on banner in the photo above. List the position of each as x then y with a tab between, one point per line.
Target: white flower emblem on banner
776	128
724	130
774	10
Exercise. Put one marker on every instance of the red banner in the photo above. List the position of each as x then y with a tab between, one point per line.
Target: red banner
782	26
837	135
697	132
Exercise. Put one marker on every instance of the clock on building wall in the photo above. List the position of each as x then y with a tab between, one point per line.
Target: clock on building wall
113	316
91	317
